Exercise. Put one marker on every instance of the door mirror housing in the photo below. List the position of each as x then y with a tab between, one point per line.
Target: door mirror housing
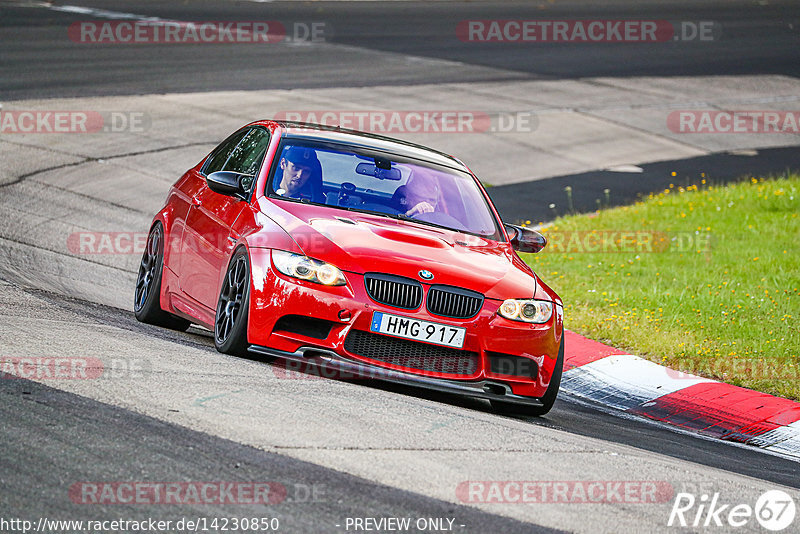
232	184
525	239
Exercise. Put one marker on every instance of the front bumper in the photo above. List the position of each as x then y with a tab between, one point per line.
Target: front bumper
489	336
328	363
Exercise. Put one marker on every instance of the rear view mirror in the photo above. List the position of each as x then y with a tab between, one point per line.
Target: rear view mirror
525	239
370	169
233	184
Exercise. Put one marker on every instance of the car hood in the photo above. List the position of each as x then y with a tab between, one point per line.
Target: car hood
361	243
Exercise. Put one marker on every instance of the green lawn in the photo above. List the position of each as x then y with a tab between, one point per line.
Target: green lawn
704	279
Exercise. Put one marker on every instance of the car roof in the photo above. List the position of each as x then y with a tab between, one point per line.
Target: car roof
321	132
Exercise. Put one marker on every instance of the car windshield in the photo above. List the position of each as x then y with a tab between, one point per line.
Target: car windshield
348	178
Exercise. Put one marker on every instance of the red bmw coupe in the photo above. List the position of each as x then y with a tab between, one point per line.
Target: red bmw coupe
359	253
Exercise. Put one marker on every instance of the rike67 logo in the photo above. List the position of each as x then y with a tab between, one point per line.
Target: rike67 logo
774	510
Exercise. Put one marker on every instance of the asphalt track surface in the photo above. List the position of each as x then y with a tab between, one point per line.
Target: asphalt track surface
516	202
347	438
758	38
84	440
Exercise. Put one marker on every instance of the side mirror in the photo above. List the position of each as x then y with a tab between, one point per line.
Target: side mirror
233	184
525	239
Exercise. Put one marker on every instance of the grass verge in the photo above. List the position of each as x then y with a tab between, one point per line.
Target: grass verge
703	279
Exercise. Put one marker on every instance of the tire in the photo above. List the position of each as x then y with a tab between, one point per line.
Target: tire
549	397
230	321
147	295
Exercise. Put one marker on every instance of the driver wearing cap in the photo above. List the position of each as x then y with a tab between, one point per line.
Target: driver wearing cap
301	174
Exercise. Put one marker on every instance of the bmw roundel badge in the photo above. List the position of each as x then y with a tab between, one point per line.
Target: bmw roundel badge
426	275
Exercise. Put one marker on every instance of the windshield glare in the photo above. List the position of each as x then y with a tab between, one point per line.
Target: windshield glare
345	179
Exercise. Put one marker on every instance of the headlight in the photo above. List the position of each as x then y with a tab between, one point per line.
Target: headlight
527	310
305	268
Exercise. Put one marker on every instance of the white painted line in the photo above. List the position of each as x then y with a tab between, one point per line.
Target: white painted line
625	381
785	440
104	13
120	15
625	168
568	397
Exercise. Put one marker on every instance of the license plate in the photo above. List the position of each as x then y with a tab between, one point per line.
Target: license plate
438	334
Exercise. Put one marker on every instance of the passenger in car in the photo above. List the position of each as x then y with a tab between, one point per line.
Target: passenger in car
300	175
399	201
422	194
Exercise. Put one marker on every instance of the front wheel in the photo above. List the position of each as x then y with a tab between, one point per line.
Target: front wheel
230	324
147	297
548	398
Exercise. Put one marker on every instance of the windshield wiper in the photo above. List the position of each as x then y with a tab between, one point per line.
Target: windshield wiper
371	212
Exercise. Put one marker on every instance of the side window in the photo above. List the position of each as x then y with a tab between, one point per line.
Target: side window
220	156
246	158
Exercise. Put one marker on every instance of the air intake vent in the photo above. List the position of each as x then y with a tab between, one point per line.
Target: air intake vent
454	302
511	365
305	326
394	290
411	354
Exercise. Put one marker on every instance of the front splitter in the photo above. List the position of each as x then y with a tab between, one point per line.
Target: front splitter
336	366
